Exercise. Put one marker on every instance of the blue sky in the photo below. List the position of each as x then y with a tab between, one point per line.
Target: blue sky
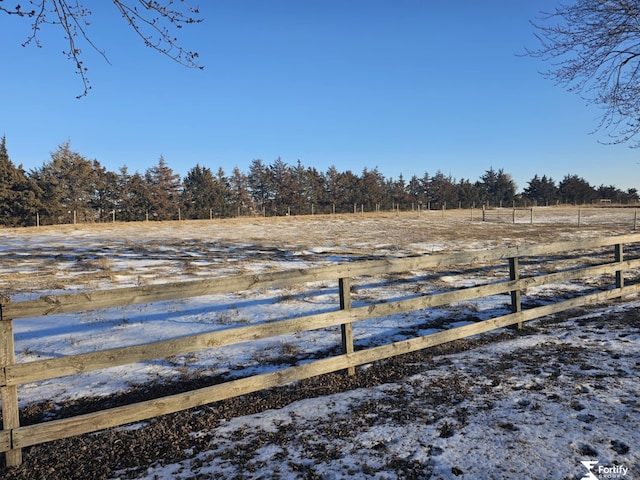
407	86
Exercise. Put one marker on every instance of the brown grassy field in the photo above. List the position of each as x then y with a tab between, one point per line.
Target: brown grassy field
115	254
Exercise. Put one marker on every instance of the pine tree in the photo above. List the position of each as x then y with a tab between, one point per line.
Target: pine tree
469	194
576	190
542	191
164	189
108	194
283	188
69	183
300	198
372	189
399	193
239	193
260	184
18	193
316	189
444	191
341	189
499	188
136	196
205	194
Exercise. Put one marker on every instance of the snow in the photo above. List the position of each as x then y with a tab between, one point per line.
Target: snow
518	428
536	405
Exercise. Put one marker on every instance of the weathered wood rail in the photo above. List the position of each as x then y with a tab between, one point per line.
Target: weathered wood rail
14	438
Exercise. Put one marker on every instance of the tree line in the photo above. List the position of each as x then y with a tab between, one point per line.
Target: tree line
70	188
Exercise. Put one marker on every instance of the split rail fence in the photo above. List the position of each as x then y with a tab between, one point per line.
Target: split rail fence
14	437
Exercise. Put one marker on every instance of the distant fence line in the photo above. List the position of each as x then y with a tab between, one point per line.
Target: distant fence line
577	215
14	437
517	214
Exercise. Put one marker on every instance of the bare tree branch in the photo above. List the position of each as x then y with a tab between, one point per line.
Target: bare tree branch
153	21
593	47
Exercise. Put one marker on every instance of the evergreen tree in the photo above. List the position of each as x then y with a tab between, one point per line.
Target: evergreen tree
469	194
69	183
609	193
164	191
499	189
260	185
398	193
131	196
302	194
18	193
315	189
284	191
372	191
124	195
198	195
136	196
340	190
542	191
204	194
414	189
576	190
225	198
331	194
108	195
631	196
427	195
239	193
443	191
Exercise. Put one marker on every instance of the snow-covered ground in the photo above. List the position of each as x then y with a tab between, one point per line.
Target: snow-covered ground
531	407
533	404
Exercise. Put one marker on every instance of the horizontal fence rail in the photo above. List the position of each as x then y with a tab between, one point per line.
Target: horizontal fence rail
13	437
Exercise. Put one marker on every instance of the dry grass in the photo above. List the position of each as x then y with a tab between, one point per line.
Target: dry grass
115	254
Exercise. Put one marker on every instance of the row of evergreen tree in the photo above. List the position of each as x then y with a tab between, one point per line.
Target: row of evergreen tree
70	188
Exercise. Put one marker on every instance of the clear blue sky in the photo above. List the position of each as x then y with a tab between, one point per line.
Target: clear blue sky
408	86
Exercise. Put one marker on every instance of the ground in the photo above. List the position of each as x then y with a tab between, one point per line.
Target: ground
529	403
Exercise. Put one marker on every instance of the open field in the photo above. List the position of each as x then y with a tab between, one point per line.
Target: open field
512	404
121	254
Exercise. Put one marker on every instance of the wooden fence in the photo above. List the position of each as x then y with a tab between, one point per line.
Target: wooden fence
14	438
568	215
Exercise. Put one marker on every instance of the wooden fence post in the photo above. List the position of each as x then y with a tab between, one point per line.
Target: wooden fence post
346	329
619	256
9	393
514	274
